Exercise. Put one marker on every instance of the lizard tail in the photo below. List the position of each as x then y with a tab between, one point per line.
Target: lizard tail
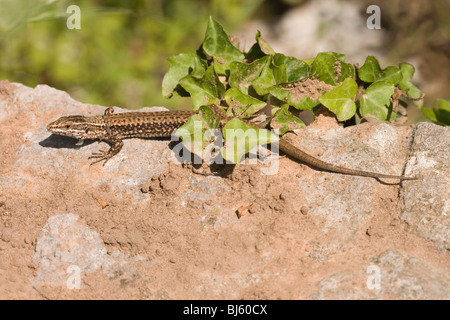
300	155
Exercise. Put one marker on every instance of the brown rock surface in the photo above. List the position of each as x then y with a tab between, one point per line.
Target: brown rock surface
144	226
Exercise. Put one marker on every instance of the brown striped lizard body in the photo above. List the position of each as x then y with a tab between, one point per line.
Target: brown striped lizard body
114	127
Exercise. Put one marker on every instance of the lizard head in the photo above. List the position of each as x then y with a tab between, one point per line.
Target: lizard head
72	126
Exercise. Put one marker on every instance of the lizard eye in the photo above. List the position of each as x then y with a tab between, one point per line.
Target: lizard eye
68	126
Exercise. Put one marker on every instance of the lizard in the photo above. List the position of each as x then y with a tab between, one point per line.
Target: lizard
114	127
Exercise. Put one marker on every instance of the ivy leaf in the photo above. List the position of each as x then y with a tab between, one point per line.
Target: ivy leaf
200	66
339	56
180	66
279	69
306	103
391	74
266	79
303	94
440	114
243	74
263	45
218	45
254	53
330	68
370	71
405	84
239	139
295	69
196	133
204	91
444	105
279	72
284	92
283	121
340	100
308	61
376	101
259	49
238	101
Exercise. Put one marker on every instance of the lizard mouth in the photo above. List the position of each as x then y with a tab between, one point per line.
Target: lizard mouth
50	127
54	128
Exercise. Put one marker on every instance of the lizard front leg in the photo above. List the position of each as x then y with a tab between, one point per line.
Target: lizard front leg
105	155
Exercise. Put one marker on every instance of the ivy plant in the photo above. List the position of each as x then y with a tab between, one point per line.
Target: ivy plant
245	82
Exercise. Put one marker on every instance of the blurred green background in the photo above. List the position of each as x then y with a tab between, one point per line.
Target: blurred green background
119	56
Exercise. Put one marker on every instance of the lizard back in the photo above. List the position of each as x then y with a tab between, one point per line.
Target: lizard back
145	124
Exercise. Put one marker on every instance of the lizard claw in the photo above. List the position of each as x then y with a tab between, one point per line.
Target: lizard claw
102	155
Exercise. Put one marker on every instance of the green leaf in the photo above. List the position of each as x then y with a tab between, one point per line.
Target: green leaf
303	95
277	69
259	49
283	93
339	56
284	121
430	114
330	68
279	72
200	66
218	45
306	103
309	62
376	101
340	100
263	45
266	79
444	105
180	66
440	114
370	71
254	53
196	133
391	74
239	102
204	91
239	139
295	69
243	74
405	84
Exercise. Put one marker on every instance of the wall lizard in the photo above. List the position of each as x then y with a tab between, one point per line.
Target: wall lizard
113	127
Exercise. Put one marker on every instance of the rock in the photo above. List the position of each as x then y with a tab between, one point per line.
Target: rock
66	250
191	219
391	276
427	204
